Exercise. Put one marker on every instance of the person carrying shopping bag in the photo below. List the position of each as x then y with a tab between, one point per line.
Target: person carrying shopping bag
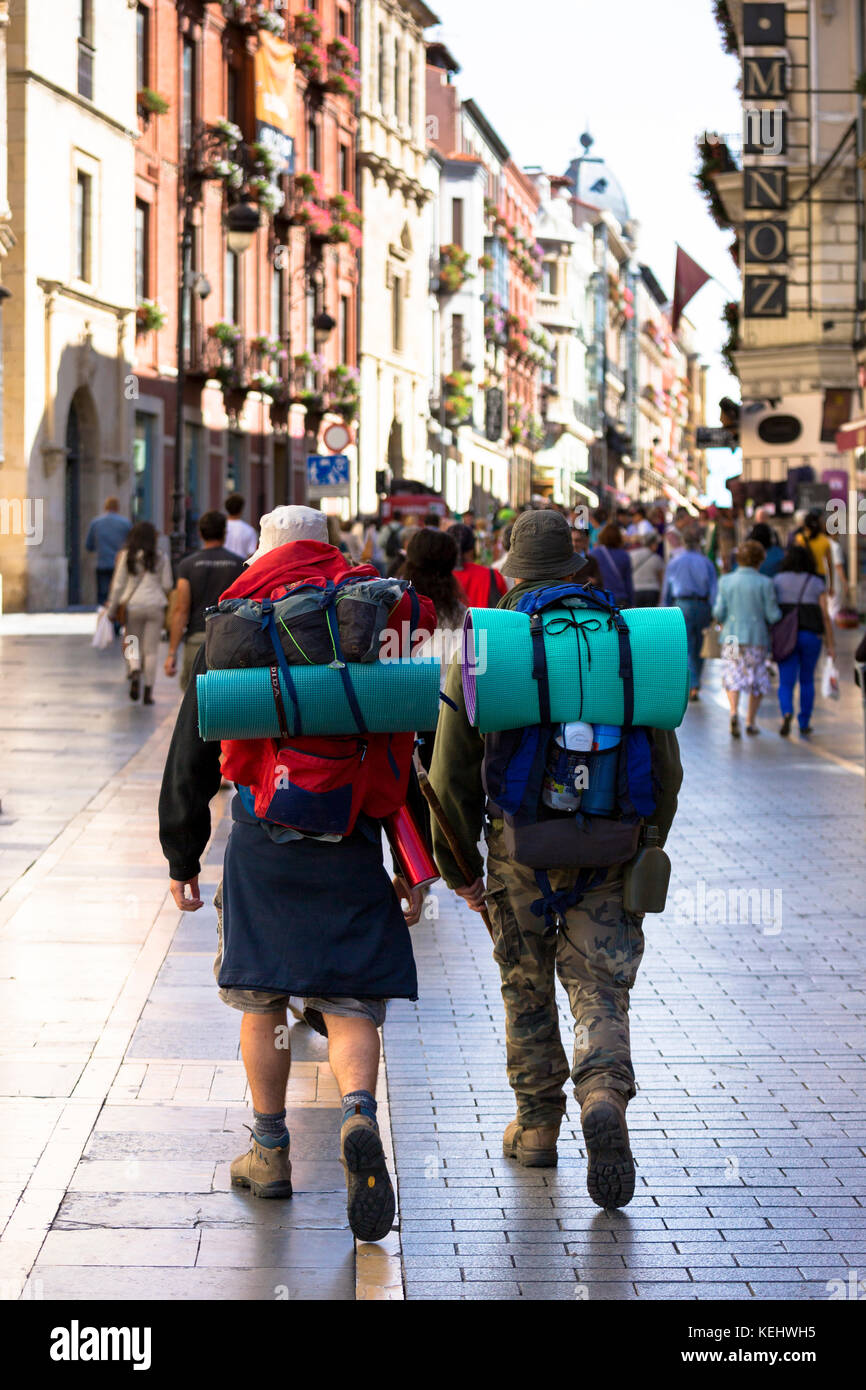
137	599
799	588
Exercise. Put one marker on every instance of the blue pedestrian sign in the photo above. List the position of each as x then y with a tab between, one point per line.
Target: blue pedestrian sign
328	475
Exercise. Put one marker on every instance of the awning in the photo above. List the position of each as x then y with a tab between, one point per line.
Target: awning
851	436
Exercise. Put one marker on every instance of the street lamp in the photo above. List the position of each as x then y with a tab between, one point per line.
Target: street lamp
242	223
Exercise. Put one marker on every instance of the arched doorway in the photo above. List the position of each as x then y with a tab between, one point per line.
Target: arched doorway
73	506
81	492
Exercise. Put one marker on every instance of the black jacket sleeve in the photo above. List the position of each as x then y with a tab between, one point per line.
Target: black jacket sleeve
190	781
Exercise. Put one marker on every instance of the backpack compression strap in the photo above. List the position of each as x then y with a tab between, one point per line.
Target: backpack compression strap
338	663
270	623
539	666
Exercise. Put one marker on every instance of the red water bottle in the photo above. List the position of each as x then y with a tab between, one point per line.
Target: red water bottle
412	859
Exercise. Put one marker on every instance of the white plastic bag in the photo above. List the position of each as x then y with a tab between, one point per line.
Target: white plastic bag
830	680
104	634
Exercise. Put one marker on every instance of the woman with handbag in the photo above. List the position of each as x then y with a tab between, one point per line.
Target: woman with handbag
747	608
140	586
802	597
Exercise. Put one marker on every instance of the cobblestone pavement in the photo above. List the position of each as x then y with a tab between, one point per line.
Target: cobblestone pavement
748	1037
122	1098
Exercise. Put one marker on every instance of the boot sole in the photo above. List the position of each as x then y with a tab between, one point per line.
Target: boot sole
371	1205
531	1158
610	1175
264	1189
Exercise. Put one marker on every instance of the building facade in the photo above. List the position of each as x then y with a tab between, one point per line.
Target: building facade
791	188
564	314
395	385
268	341
69	322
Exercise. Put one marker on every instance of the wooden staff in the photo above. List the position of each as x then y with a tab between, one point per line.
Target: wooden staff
448	831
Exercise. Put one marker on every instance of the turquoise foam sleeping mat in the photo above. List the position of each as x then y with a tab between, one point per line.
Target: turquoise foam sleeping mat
395	697
582	651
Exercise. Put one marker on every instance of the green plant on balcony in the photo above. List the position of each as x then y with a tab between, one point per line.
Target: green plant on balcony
309	183
516	421
731	316
453	273
485	262
270	20
311	60
725	23
225	333
715	158
457	399
150	103
149	316
307	25
534	432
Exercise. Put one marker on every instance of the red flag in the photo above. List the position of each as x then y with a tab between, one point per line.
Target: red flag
688	280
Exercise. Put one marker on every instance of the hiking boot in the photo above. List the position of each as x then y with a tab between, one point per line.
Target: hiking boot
148	696
370	1201
266	1172
134	682
609	1162
534	1148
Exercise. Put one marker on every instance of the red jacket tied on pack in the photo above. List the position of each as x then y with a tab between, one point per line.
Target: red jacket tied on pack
380	775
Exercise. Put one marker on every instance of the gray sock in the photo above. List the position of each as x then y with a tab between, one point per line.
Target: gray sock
270	1130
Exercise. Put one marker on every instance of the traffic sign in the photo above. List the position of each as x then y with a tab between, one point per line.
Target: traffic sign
327	475
707	437
337	438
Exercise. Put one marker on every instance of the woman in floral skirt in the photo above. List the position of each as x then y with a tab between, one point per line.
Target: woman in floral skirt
747	608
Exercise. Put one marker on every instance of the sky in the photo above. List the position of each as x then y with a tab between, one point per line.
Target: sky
645	80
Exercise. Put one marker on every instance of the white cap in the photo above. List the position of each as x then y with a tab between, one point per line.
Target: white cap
286	524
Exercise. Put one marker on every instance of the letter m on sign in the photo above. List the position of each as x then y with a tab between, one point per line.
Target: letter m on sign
765	297
764	78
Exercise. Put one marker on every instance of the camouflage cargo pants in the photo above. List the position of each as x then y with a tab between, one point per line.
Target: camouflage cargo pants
596	954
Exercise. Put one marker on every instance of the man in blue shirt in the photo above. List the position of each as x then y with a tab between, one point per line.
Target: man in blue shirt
690	584
106	534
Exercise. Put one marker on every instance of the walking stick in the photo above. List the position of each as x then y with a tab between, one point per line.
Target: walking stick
448	831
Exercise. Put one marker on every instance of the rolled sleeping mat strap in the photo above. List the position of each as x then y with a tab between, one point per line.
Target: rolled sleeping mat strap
340	665
393	697
283	665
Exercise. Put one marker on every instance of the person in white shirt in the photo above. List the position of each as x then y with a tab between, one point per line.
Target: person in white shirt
241	538
647	572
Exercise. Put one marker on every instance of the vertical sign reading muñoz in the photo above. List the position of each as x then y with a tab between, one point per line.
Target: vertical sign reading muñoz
765	177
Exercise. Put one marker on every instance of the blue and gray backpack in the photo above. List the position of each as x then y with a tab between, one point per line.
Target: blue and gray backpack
515	762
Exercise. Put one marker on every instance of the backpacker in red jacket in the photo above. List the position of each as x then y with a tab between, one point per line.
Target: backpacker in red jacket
320	785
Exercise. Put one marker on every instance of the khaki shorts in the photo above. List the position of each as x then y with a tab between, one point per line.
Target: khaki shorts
262	1001
191	647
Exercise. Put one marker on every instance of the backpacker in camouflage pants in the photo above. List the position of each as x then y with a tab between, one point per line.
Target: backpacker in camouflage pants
595	952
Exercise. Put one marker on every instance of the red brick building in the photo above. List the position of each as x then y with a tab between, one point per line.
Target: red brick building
283	356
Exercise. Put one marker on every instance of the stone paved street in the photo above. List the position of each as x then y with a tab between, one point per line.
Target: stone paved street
122	1098
748	1028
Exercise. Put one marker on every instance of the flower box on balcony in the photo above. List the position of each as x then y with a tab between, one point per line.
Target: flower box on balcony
312	61
307	25
149	316
343	83
226	333
485	262
150	103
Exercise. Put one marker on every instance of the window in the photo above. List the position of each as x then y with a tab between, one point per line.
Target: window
343	329
457	221
412	113
232	94
381	67
187	103
85	49
313	144
344	23
142	468
398	90
231	289
549	277
397	313
457	336
345	168
277	303
142	268
142	47
83	199
235	461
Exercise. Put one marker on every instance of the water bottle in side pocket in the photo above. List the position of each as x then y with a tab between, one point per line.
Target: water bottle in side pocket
599	798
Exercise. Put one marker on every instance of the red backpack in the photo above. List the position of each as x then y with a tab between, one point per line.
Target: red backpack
320	785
